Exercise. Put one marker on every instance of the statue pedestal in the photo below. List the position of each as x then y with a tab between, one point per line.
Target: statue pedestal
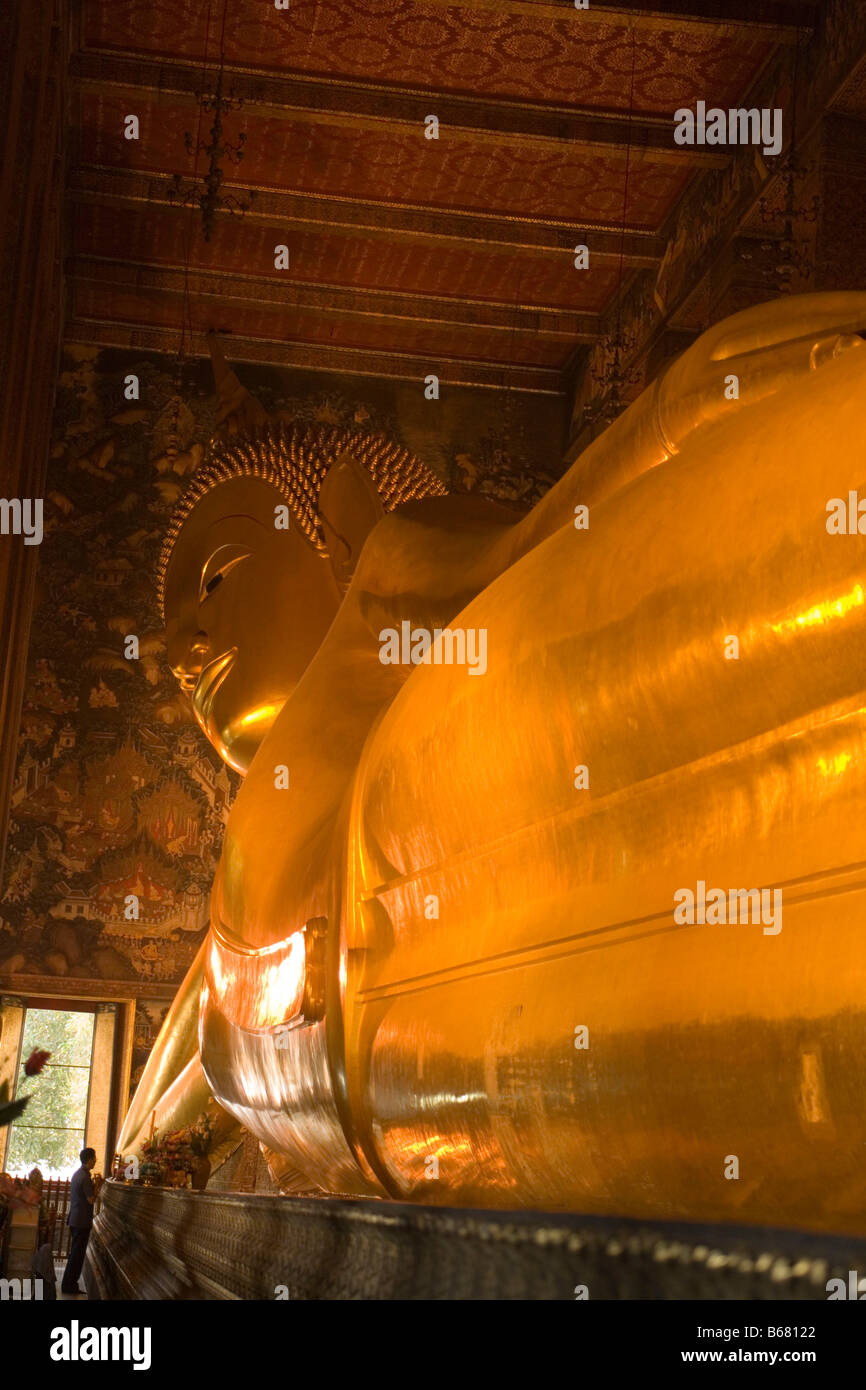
160	1243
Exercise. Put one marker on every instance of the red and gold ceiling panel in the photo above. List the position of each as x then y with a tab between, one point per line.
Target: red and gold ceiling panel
390	249
562	56
456	172
163	236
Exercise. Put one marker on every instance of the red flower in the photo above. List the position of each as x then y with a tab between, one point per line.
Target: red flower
35	1062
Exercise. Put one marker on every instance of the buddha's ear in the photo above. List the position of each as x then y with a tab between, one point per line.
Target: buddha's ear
349	508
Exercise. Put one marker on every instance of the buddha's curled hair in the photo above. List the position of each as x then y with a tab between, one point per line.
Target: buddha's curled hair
294	458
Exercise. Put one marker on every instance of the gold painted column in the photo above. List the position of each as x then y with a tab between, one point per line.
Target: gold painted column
99	1097
12	1010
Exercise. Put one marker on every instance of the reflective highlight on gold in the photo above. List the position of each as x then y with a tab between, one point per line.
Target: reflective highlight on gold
824	612
257	989
512	1016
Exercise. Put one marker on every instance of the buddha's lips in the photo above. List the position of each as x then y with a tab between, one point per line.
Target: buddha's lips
209	683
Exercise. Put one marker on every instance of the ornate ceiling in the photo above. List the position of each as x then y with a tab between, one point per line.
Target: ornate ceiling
407	255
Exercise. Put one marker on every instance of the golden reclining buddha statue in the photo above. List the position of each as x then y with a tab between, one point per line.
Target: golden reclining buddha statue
449	960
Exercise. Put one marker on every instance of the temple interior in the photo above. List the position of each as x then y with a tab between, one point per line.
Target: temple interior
431	595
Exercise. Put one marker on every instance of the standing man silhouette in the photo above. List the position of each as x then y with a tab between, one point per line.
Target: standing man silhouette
82	1194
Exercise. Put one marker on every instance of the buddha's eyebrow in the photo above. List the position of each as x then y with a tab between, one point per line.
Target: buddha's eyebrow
233	553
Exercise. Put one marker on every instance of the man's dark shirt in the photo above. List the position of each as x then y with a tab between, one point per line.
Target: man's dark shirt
80	1210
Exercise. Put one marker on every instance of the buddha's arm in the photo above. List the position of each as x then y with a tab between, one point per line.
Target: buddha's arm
414	566
173	1091
175	1046
413	569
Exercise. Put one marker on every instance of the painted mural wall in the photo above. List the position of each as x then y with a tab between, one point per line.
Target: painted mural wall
119	803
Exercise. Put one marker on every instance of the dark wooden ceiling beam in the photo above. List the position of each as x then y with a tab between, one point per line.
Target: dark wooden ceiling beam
334	301
346	216
780	20
783	21
544	381
364	105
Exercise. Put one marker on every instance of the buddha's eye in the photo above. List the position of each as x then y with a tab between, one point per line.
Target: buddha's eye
218	566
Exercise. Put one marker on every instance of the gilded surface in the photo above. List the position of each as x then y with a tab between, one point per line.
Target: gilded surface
485	904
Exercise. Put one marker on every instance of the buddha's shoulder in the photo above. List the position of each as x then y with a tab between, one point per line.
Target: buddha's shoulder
456	511
422	534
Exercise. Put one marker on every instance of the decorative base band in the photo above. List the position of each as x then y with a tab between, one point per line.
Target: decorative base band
159	1243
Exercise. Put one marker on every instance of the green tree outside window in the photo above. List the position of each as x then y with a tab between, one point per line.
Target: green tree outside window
50	1133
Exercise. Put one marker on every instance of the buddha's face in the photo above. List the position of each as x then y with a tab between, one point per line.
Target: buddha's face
246	607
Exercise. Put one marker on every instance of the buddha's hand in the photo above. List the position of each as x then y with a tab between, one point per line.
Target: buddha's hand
755	354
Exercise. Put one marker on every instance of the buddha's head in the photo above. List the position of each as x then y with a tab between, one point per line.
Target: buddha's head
258	555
